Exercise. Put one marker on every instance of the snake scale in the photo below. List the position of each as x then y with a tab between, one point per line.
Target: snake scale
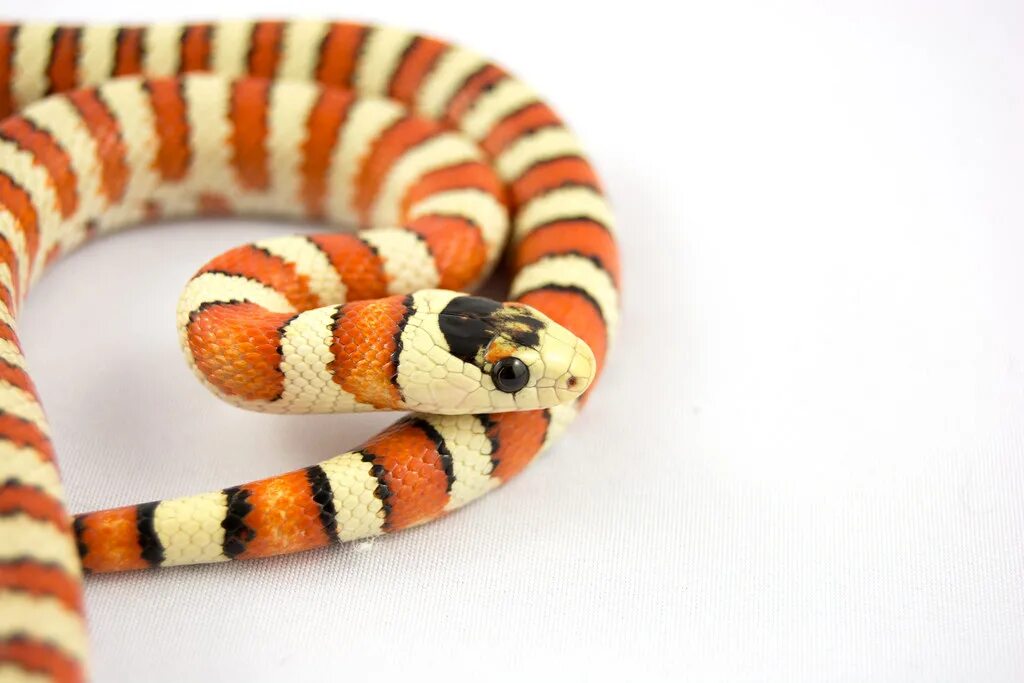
445	162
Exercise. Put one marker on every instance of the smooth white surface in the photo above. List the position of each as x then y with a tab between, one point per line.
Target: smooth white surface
806	461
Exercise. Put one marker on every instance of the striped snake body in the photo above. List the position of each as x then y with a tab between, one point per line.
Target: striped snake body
446	163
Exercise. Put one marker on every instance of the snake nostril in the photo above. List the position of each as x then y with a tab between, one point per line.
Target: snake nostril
572	382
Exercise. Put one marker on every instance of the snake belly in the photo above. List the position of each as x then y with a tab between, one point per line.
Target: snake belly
436	152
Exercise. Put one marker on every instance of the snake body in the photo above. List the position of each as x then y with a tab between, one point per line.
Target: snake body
442	157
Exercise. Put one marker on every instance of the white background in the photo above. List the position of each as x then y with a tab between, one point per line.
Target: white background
806	461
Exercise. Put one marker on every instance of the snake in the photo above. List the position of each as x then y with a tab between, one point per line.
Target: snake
430	165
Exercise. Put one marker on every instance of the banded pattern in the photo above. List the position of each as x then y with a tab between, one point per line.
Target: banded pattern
438	150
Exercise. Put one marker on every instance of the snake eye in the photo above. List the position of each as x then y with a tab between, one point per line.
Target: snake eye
510	374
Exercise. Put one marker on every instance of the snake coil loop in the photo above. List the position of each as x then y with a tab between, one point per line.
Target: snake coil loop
443	159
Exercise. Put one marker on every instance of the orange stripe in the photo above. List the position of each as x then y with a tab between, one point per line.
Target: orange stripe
386	150
48	154
19	203
576	313
547	175
6	295
41	580
152	209
356	263
457	246
250	100
128	57
284	516
252	262
477	84
111	540
34	502
519	436
414	474
417	63
8	37
322	128
6	331
514	126
25	434
52	255
364	350
173	154
570	236
42	658
110	147
195	48
265	48
213	204
237	348
16	377
338	54
63	68
472	174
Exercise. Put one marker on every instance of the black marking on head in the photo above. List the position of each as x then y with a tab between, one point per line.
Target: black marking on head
237	534
466	325
323	496
440	445
469	323
152	550
382	492
410	308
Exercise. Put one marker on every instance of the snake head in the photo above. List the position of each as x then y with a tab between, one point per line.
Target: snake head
500	357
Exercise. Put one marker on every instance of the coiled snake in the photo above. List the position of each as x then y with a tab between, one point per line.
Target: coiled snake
442	156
